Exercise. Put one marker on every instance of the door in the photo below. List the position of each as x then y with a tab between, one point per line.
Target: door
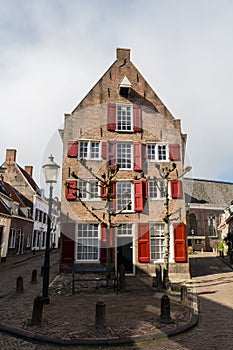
125	253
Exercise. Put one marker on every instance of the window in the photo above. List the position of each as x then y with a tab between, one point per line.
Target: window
212	225
156	241
157	152
89	149
88	242
156	189
125	230
124	196
88	189
124	155
124	118
28	243
12	238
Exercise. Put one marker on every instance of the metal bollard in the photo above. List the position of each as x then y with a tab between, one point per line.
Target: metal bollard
184	294
165	316
37	311
34	276
100	315
19	284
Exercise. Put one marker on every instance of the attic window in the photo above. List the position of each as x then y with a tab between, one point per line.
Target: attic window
125	86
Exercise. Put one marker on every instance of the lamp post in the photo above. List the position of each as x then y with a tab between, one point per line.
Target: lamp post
51	173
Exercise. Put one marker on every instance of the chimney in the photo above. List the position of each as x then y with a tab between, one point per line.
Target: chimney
10	156
28	169
123	55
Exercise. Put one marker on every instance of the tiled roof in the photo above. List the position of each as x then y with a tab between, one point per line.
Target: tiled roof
29	179
4	209
18	197
208	192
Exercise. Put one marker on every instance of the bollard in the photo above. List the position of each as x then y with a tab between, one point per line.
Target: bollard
184	294
37	311
157	280
122	278
19	284
165	310
100	315
34	276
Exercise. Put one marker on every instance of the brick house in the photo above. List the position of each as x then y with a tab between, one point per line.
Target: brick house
22	181
206	201
122	121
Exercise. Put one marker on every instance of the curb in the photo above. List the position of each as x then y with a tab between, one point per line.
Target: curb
29	336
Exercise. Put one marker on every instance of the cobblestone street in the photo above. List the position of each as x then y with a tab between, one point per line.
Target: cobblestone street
214	283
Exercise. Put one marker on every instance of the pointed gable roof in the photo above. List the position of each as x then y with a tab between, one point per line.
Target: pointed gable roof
29	179
106	89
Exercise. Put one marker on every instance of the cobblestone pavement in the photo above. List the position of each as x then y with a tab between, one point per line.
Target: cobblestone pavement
214	283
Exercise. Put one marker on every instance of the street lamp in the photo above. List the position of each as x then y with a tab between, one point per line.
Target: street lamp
51	173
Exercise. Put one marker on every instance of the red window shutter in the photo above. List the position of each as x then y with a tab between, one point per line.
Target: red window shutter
104	149
111	160
113	195
137	151
72	148
102	191
111	119
174	152
137	121
103	243
71	190
143	243
144	155
175	189
67	249
179	242
138	195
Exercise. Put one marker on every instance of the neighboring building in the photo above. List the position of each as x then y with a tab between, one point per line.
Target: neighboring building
206	201
5	220
121	120
22	181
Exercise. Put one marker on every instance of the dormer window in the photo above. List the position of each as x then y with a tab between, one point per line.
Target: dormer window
125	86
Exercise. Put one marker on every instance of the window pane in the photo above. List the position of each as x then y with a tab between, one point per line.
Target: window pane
94	152
124	117
88	242
162	152
124	196
83	148
157	241
124	151
151	152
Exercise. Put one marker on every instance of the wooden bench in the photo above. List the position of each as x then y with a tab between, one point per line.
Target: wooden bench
85	270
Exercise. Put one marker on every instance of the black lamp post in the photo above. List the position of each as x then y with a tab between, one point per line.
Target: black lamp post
51	173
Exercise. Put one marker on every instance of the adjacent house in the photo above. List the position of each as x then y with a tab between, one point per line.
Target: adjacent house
206	201
20	181
122	125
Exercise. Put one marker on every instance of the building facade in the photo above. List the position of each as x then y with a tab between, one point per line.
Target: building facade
206	201
122	125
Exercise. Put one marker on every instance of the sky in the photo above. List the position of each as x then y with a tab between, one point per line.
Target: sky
54	51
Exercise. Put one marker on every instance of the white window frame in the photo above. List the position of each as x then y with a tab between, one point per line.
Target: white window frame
125	230
157	230
124	117
156	157
156	183
84	188
128	160
121	202
12	238
84	241
89	151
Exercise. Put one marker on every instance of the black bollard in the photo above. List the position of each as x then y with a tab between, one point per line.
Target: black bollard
184	294
37	311
121	278
157	280
34	276
100	315
19	284
165	310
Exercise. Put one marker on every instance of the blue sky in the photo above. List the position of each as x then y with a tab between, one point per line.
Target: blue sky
54	51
